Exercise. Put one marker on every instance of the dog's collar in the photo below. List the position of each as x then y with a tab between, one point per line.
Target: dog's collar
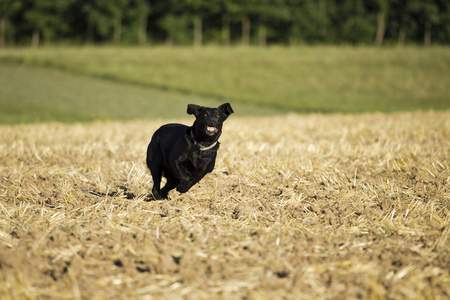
199	146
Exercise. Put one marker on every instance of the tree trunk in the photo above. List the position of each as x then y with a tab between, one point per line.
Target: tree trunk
381	28
90	31
262	32
293	40
169	41
117	31
245	31
402	31
262	35
401	35
427	34
226	29
322	19
143	32
2	32
198	31
35	39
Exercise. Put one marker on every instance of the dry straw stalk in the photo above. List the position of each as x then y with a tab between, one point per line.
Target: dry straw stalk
336	206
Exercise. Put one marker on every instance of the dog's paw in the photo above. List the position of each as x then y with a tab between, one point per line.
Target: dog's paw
159	196
182	188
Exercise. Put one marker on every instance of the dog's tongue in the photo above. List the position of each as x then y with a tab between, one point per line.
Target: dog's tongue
210	128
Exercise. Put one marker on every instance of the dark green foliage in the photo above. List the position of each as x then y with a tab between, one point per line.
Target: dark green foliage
257	22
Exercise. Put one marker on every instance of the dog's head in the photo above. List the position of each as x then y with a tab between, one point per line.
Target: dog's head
209	120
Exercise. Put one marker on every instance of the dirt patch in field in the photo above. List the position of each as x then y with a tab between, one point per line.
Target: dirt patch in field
346	207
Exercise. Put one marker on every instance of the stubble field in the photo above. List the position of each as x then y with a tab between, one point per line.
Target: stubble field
298	207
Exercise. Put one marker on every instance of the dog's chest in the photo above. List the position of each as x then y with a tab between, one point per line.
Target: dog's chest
200	159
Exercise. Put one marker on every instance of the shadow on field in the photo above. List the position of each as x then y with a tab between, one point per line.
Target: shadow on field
122	193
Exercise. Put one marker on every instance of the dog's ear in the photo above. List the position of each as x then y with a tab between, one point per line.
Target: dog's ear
226	109
194	109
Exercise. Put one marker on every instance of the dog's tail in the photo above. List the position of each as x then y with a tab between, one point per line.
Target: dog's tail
149	155
151	151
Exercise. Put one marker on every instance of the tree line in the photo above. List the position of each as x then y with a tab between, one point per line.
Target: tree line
247	22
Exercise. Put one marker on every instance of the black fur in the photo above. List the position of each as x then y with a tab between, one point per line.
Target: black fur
184	155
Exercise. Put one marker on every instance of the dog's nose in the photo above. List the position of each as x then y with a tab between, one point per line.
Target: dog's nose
213	121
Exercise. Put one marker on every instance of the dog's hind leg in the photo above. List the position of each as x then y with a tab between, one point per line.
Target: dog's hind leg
170	185
154	163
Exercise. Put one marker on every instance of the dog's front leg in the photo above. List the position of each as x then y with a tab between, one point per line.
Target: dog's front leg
181	174
185	184
183	187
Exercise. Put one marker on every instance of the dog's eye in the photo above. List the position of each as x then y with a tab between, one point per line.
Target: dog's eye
205	114
218	115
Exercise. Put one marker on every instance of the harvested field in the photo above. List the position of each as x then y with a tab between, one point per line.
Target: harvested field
337	206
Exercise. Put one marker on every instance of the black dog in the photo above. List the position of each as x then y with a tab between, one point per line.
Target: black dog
184	155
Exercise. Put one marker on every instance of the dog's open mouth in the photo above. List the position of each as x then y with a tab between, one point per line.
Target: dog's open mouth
210	129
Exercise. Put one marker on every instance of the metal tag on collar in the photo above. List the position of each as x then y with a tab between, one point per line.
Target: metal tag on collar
199	146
